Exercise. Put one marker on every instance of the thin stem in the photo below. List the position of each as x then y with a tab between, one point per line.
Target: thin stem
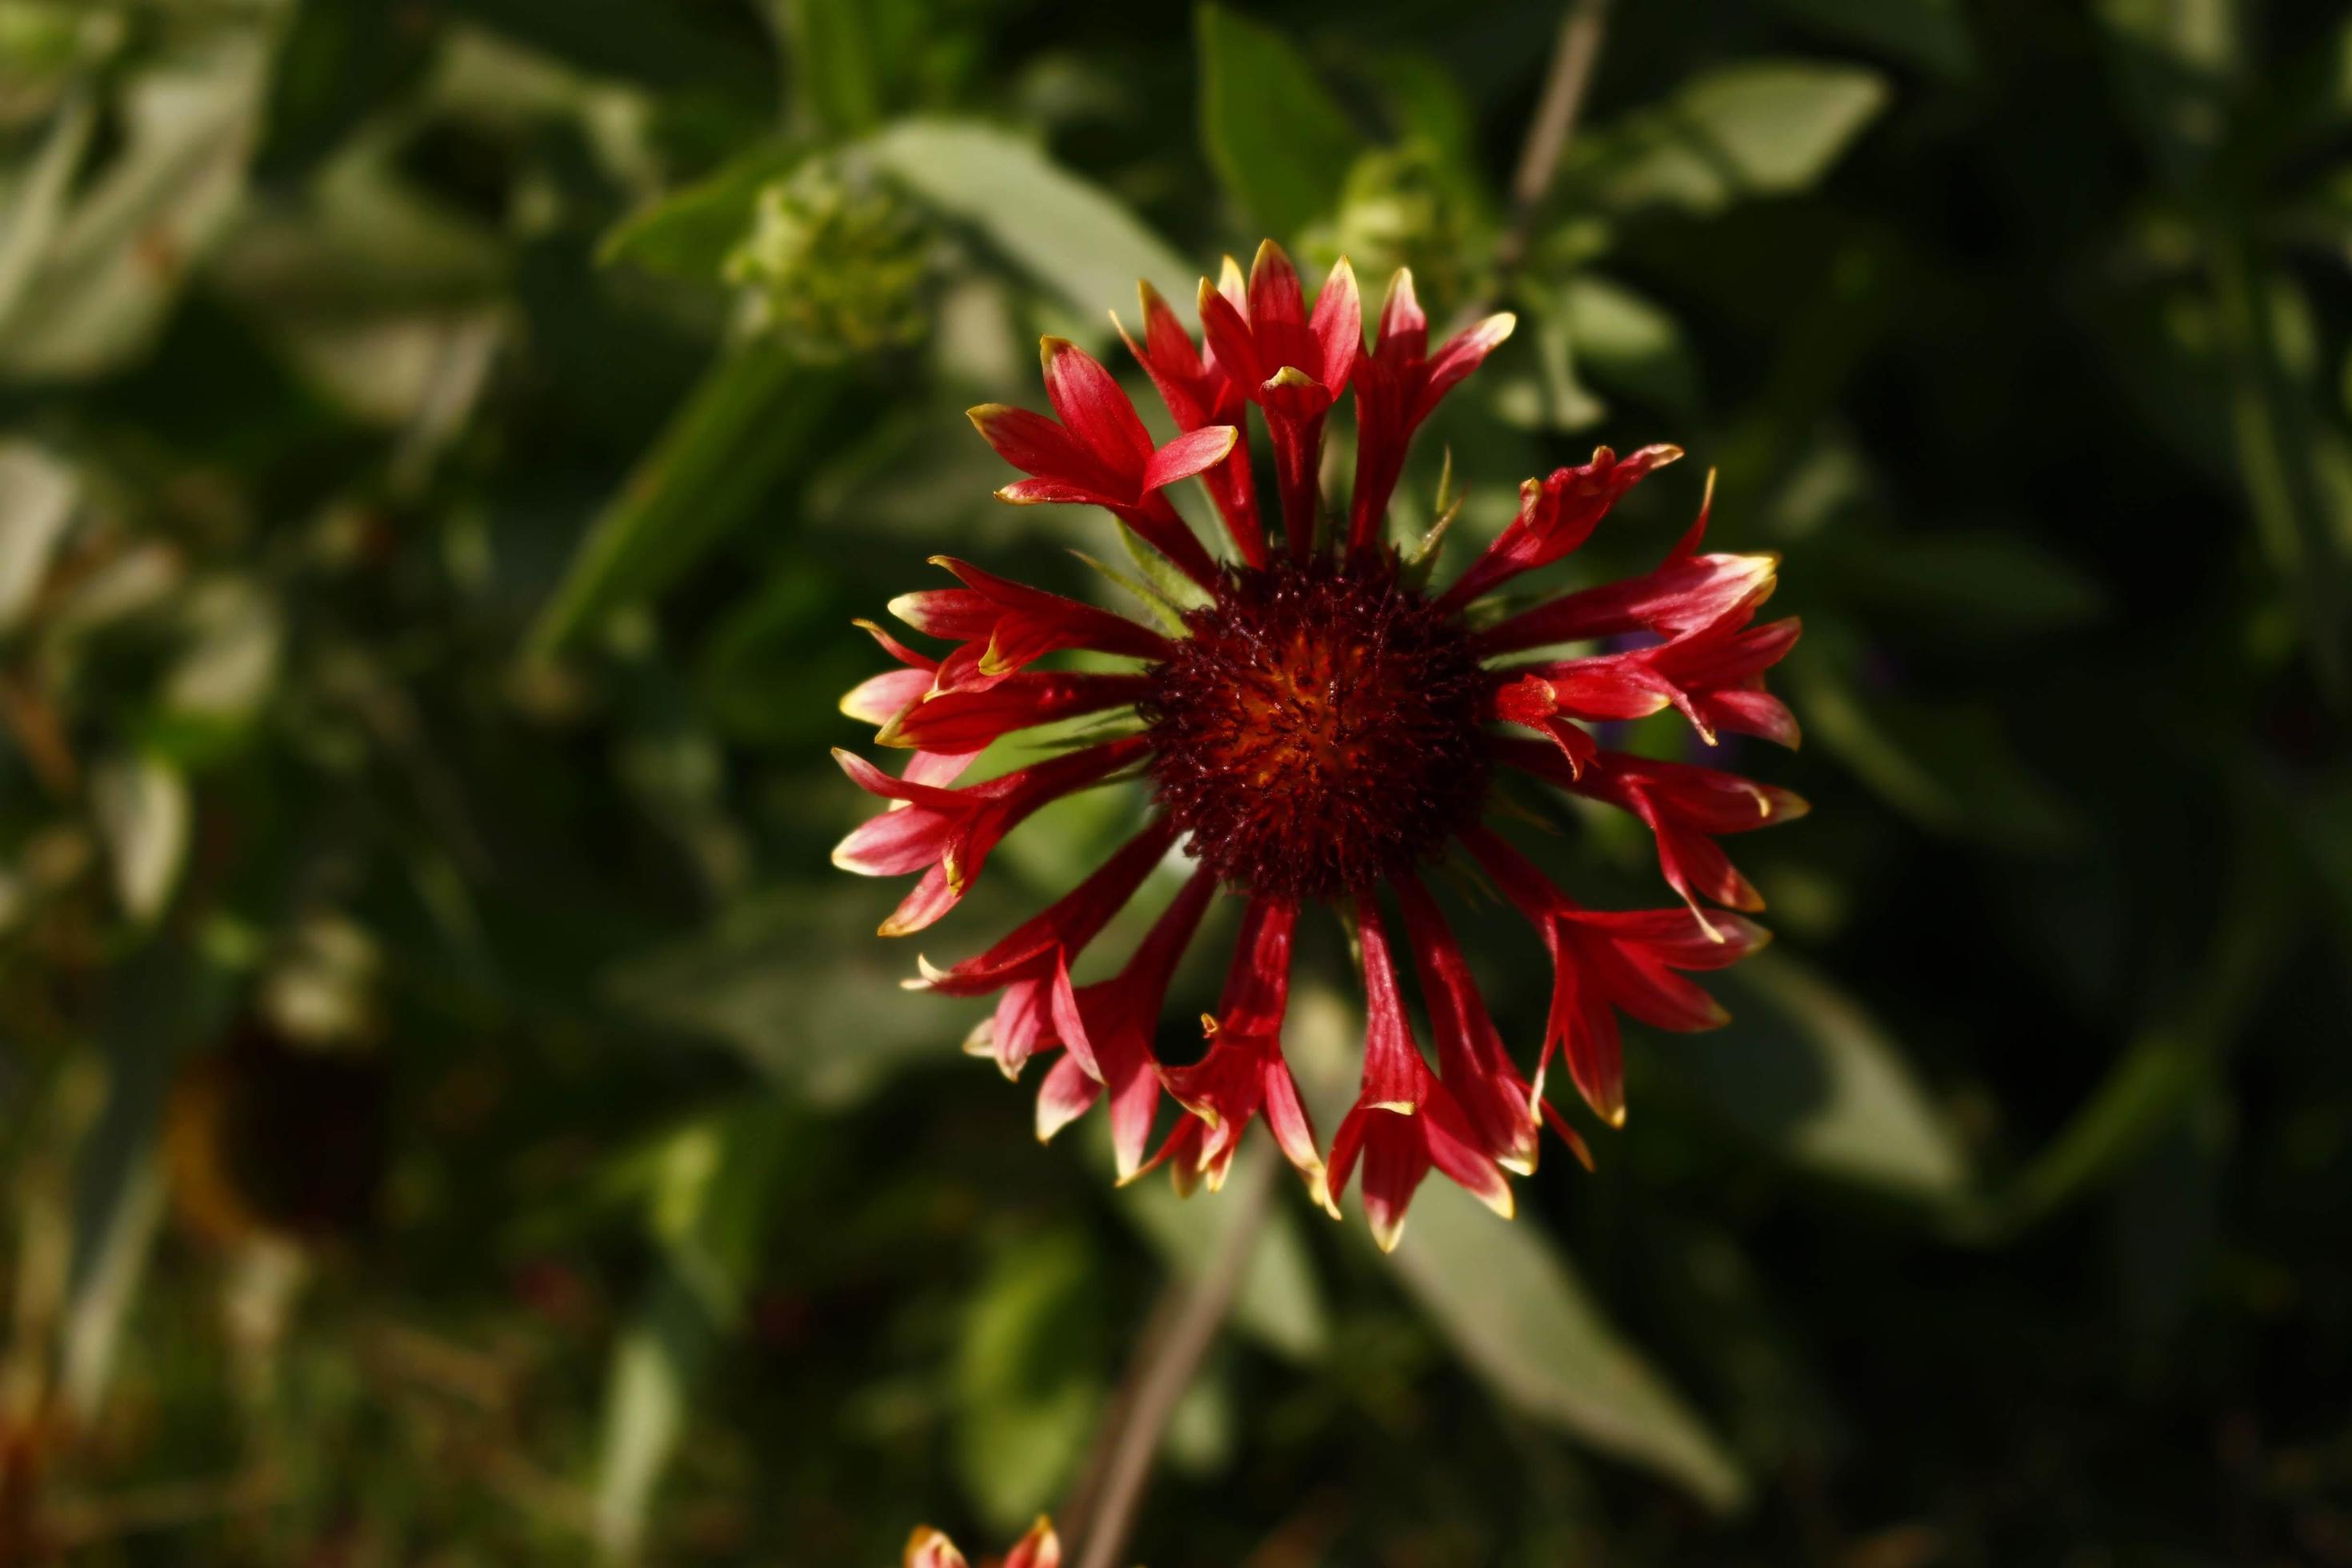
1175	1339
1570	74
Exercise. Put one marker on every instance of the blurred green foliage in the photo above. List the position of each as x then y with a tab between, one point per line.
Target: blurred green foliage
444	443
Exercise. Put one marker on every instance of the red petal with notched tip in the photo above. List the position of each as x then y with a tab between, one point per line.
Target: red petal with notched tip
1244	1070
1404	1121
1471	1060
1110	1027
1683	807
967	721
1557	514
957	828
1020	623
1608	960
1069	923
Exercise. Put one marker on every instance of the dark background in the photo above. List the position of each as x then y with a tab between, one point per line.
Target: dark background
452	1112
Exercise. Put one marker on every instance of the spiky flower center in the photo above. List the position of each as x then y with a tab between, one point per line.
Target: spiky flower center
1318	729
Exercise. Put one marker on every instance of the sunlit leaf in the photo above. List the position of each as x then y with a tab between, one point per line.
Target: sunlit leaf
1026	1381
687	234
743	428
141	805
1630	344
1816	1080
774	979
1516	1312
1063	232
37	494
1762	128
115	262
1278	141
1279	1303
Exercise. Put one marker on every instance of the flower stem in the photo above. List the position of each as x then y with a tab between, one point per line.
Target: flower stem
1565	81
1176	1338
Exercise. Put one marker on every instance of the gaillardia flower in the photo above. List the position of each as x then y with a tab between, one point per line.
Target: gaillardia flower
1315	725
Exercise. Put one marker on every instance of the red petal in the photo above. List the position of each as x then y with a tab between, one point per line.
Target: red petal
1095	409
1067	1094
1338	328
1193	452
1404	338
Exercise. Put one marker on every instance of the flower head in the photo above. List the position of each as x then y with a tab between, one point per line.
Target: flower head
1319	728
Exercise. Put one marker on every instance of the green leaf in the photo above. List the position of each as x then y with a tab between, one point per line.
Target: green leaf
1279	1303
1809	1074
38	499
847	55
1515	1311
772	979
657	1361
1278	141
35	201
1949	768
1063	232
1027	1383
1929	32
687	234
1981	585
2294	462
1630	344
748	423
113	265
710	1199
159	1003
1762	128
2176	1062
143	811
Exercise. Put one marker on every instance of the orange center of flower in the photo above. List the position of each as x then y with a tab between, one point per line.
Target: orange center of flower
1318	729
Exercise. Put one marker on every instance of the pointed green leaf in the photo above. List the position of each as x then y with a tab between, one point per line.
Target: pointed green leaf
1516	1312
1279	141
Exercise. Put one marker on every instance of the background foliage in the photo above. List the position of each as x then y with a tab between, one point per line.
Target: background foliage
452	1112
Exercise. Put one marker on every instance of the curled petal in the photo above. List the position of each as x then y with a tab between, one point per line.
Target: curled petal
949	833
1243	1070
1404	1122
1605	962
1557	514
1194	452
1110	1027
1031	965
967	720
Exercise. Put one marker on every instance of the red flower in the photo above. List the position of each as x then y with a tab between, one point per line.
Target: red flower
1321	727
927	1548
